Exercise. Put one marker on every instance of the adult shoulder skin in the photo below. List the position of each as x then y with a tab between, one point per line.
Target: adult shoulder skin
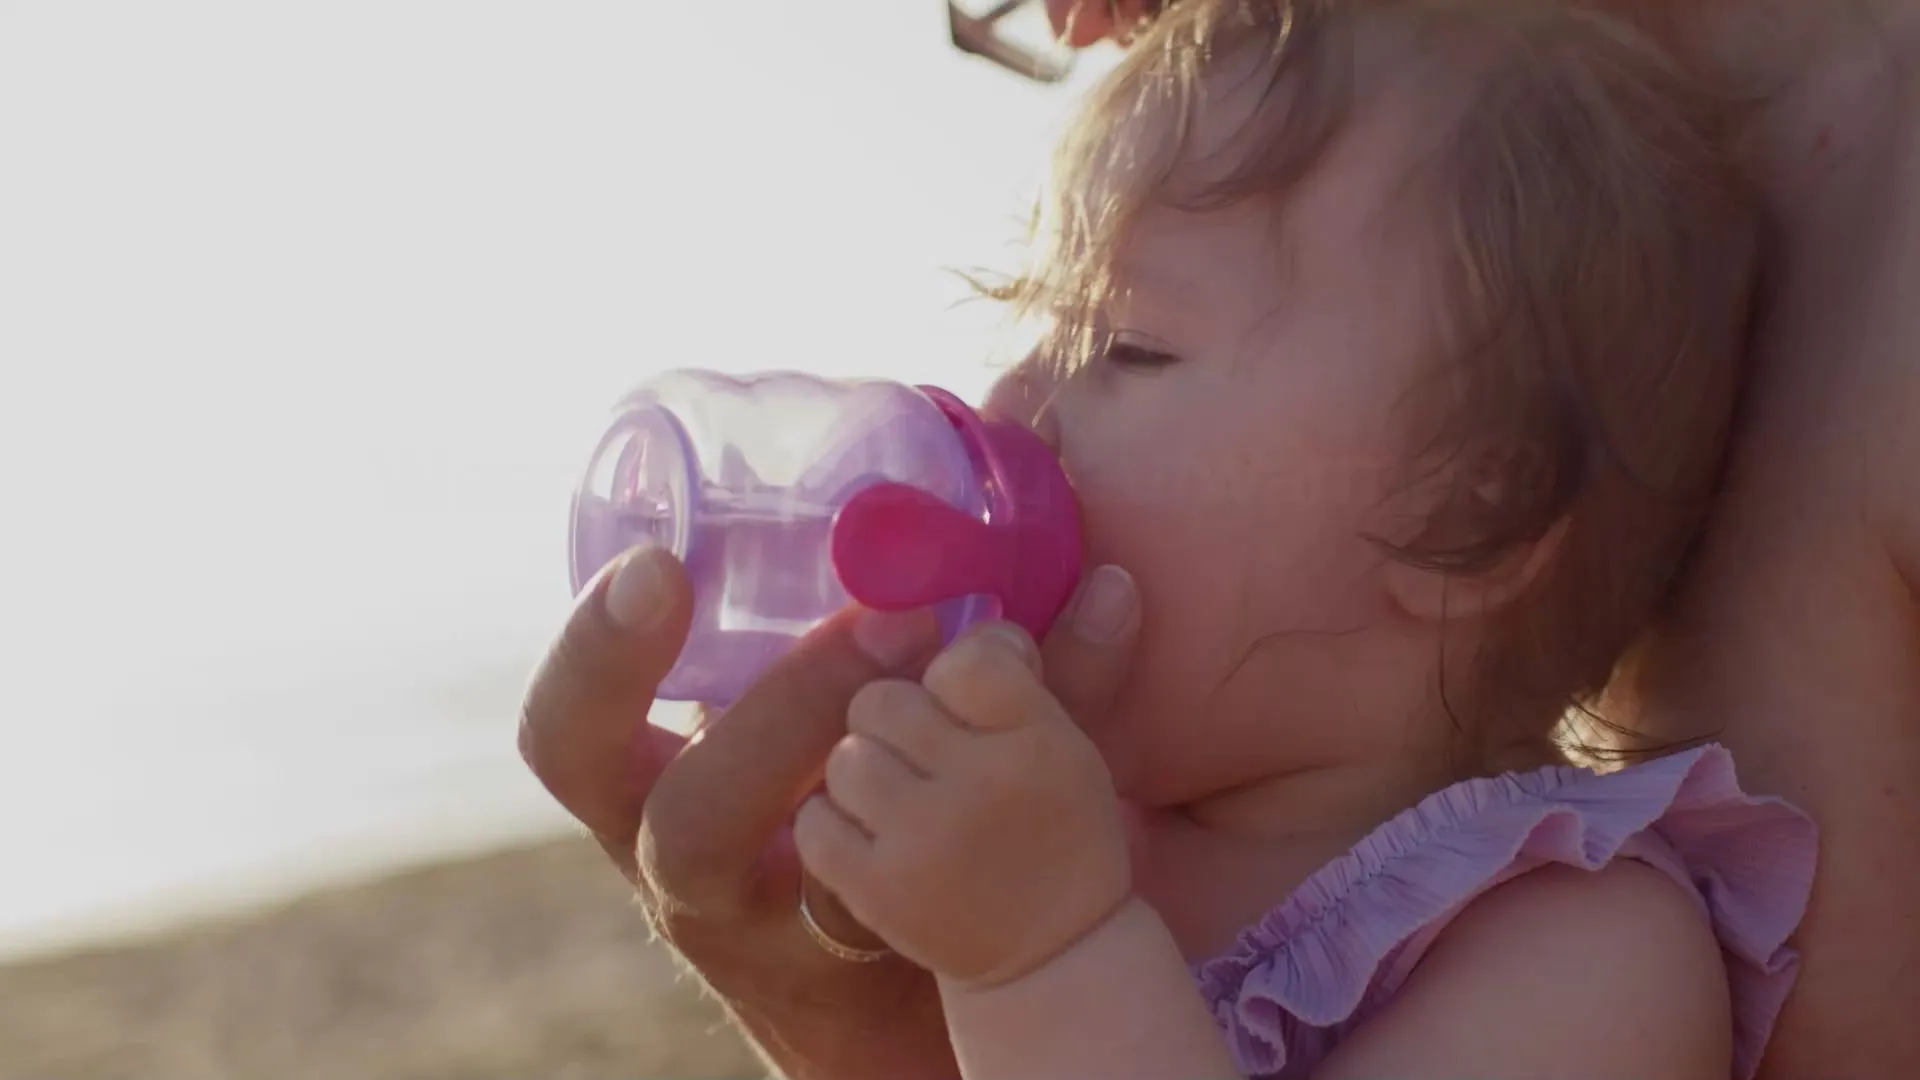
1795	639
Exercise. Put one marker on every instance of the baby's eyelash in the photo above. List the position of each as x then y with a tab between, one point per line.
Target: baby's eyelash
1130	354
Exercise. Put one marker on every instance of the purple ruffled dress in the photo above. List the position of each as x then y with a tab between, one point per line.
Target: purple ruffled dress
1316	967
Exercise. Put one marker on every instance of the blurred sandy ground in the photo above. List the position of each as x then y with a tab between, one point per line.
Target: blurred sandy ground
531	962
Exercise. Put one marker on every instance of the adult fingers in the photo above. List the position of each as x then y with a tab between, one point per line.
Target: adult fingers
715	811
583	721
1086	656
1086	659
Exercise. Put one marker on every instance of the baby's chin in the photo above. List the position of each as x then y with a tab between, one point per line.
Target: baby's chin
1154	769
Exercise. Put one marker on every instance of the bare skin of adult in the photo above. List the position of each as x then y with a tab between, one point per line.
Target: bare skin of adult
1794	639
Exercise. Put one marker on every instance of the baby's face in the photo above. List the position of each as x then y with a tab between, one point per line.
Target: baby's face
1247	432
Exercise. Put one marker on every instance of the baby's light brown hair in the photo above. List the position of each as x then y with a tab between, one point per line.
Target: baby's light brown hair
1598	246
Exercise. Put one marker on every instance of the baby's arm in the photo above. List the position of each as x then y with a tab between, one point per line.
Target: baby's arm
1560	974
1121	1003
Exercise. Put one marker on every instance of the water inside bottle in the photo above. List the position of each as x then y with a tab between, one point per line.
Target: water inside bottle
768	547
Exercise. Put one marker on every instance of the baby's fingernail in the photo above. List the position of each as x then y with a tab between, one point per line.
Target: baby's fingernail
636	597
1105	605
1013	639
895	639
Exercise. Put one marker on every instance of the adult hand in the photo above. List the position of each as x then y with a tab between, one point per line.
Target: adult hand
702	827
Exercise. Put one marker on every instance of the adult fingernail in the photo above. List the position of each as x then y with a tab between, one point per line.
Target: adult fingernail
1106	604
636	597
894	639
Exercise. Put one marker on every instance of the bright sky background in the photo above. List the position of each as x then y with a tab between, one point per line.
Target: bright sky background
306	310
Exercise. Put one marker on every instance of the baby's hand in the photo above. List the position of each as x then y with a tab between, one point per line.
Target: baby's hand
966	820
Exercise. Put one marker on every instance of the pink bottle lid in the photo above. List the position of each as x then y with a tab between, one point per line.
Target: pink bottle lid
896	547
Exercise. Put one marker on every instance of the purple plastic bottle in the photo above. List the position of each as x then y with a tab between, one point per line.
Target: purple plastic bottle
787	496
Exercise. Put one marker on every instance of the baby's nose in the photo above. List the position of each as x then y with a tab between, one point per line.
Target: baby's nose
1024	395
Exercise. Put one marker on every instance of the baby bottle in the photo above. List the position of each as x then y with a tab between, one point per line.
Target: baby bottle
787	495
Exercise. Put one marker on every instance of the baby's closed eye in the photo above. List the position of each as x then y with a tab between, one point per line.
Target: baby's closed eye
1137	354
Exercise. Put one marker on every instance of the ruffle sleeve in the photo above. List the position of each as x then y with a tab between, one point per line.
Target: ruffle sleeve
1308	971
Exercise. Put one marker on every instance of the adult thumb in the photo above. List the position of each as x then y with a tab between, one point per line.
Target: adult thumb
583	723
1089	651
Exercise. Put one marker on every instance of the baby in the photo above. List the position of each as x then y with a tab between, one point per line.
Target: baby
1392	347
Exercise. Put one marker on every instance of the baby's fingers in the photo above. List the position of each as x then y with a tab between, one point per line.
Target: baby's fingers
989	680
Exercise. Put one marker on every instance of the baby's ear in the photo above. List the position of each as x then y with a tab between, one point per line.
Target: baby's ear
1491	515
1432	594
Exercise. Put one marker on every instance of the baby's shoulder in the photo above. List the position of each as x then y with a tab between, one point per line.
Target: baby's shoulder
1532	885
1592	920
1625	914
1618	961
1625	937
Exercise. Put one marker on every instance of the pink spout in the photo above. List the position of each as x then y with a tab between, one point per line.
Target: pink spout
895	547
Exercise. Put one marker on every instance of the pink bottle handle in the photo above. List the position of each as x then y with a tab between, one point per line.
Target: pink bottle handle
896	547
